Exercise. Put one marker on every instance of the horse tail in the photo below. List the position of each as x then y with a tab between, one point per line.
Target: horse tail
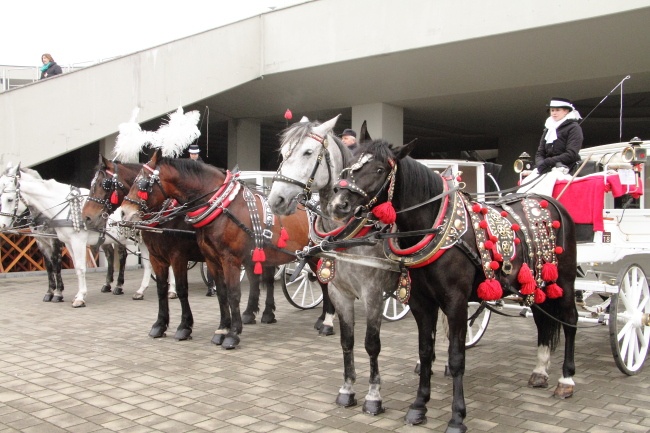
548	325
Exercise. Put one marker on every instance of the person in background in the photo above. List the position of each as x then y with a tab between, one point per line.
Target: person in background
194	152
561	140
349	138
49	68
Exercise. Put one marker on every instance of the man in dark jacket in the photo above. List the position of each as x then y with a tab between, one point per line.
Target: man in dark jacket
562	138
49	68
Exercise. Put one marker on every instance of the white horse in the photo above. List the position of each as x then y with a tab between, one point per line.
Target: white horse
60	206
312	158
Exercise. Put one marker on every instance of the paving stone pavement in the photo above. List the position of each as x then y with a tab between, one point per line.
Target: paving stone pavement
94	369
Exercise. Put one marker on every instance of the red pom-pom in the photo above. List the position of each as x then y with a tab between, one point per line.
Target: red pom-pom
493	238
385	212
144	195
515	227
458	179
517	241
484	210
284	237
540	296
555	224
543	204
528	288
259	255
258	268
488	245
476	208
498	257
483	224
559	250
490	290
549	272
288	115
494	265
114	197
553	291
504	213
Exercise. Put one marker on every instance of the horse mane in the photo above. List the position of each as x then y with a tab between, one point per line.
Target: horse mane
297	132
189	167
413	179
32	172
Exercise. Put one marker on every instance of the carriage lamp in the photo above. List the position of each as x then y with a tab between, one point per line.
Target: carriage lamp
635	154
524	162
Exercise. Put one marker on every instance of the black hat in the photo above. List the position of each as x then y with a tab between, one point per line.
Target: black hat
349	132
194	148
560	103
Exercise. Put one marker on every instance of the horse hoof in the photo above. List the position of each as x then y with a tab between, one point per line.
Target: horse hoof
106	288
248	319
326	330
57	298
138	296
373	407
416	370
78	303
538	380
230	342
416	417
268	320
319	324
172	295
48	297
218	339
118	291
346	400
563	391
456	429
157	332
211	292
183	334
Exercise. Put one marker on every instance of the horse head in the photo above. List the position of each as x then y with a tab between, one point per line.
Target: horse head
311	159
12	204
369	181
106	194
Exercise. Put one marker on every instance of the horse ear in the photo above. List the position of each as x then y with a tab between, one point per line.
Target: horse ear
153	162
403	151
324	128
102	161
364	135
304	119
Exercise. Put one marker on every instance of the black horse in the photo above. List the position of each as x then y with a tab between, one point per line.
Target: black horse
522	245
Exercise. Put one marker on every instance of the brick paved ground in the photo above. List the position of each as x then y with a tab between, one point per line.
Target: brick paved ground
95	370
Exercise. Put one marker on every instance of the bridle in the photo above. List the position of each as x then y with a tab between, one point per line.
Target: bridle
145	187
306	194
112	184
14	215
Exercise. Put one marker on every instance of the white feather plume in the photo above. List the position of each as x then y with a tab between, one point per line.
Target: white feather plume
178	133
131	139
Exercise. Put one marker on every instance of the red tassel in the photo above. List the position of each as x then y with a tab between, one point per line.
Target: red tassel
385	212
259	255
526	279
490	290
540	296
549	272
114	198
527	288
144	195
553	291
284	237
258	268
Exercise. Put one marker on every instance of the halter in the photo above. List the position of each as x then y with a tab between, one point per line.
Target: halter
306	187
18	199
110	183
145	187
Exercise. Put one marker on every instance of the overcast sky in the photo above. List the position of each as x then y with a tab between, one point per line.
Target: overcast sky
85	31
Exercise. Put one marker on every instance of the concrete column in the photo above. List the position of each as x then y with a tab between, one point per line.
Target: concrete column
244	144
383	120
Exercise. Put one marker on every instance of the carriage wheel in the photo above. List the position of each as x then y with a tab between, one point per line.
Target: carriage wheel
479	317
305	292
629	321
394	309
204	273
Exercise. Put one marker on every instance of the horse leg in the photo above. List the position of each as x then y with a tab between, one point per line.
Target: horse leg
374	301
46	251
231	276
184	330
78	249
121	254
268	279
162	322
253	306
345	309
457	334
57	259
146	277
226	320
325	323
171	292
109	252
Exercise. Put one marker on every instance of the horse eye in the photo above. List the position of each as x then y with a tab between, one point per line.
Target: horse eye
308	152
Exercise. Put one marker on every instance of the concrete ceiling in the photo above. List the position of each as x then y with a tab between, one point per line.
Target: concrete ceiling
475	91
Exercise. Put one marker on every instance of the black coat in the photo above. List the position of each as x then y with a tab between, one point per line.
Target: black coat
53	70
564	150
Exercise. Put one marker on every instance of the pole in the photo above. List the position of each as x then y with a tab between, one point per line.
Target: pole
573	177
